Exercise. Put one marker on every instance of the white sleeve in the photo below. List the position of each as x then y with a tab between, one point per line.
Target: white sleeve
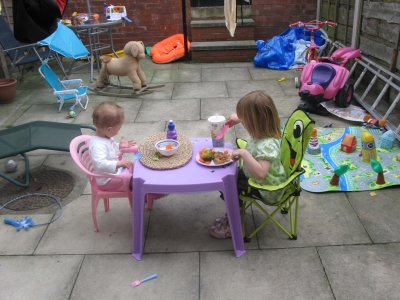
101	160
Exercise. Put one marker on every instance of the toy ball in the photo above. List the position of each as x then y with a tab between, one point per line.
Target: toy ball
11	166
71	114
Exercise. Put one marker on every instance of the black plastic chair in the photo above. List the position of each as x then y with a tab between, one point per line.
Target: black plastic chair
35	135
20	54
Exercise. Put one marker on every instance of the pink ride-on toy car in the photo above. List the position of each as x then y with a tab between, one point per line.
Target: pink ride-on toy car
327	80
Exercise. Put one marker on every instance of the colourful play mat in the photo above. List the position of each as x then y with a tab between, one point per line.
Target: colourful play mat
360	176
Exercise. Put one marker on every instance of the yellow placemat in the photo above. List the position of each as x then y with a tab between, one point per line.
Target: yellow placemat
153	161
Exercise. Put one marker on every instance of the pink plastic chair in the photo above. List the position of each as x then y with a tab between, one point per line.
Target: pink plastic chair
79	150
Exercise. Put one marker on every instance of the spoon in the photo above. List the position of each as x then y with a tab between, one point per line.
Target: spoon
139	282
222	132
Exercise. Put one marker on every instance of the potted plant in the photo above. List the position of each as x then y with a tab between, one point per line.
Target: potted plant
8	89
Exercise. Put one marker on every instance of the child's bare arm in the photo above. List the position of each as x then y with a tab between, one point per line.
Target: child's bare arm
257	168
233	120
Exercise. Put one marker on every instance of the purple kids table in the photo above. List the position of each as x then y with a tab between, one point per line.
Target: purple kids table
191	178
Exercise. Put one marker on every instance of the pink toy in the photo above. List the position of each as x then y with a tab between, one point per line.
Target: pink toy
139	282
79	150
326	78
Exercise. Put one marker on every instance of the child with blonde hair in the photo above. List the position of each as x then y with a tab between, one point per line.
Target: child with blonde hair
108	118
261	157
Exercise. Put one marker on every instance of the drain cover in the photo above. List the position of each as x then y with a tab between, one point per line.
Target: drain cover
43	181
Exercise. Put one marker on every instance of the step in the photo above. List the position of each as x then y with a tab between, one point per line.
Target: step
209	23
223	51
218	12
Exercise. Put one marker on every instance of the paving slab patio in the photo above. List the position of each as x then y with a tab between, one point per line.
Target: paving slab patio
348	244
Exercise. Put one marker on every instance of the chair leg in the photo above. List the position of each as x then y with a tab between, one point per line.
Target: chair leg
95	202
130	199
149	200
106	204
61	105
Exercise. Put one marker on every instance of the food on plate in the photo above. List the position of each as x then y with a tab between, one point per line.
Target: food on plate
206	155
222	157
168	147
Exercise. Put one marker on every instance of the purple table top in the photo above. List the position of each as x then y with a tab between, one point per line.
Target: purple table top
192	174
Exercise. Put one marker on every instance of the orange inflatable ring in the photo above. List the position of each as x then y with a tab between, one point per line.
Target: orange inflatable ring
170	49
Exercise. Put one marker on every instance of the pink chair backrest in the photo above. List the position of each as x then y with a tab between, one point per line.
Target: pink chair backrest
79	150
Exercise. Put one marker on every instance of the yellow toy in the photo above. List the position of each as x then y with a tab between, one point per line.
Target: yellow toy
368	146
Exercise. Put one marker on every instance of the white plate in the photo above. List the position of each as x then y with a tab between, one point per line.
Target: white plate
212	164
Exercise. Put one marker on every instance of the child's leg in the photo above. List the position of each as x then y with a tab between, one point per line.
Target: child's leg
112	185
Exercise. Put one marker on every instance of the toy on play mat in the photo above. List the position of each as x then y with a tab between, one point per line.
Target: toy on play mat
362	173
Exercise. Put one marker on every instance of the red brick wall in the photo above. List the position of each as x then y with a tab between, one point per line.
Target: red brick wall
273	16
154	20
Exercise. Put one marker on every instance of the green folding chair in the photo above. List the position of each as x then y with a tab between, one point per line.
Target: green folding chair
27	137
295	138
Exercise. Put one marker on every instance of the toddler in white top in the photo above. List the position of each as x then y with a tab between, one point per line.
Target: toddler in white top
108	118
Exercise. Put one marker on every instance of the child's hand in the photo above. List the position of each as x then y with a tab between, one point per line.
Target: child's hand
236	154
124	163
233	120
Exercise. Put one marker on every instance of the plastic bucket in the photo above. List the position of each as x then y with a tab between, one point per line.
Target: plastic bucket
8	90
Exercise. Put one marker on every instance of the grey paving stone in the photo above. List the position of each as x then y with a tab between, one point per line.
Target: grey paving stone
178	277
199	90
274	274
324	219
21	242
73	233
38	277
164	110
180	75
262	73
220	106
363	271
47	112
241	88
379	214
224	74
180	222
131	108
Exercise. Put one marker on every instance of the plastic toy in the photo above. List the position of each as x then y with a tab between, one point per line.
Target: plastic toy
368	150
377	167
24	223
374	123
169	49
116	12
139	282
325	79
387	140
339	171
313	146
349	143
71	114
11	166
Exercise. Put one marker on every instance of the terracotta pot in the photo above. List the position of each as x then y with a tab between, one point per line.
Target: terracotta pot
8	90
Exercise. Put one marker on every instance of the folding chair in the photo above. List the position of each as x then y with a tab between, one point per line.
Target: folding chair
295	138
27	137
65	90
19	54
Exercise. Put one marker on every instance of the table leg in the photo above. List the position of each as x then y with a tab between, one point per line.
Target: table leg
233	212
138	219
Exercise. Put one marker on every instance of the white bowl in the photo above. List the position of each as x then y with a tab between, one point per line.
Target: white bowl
161	147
